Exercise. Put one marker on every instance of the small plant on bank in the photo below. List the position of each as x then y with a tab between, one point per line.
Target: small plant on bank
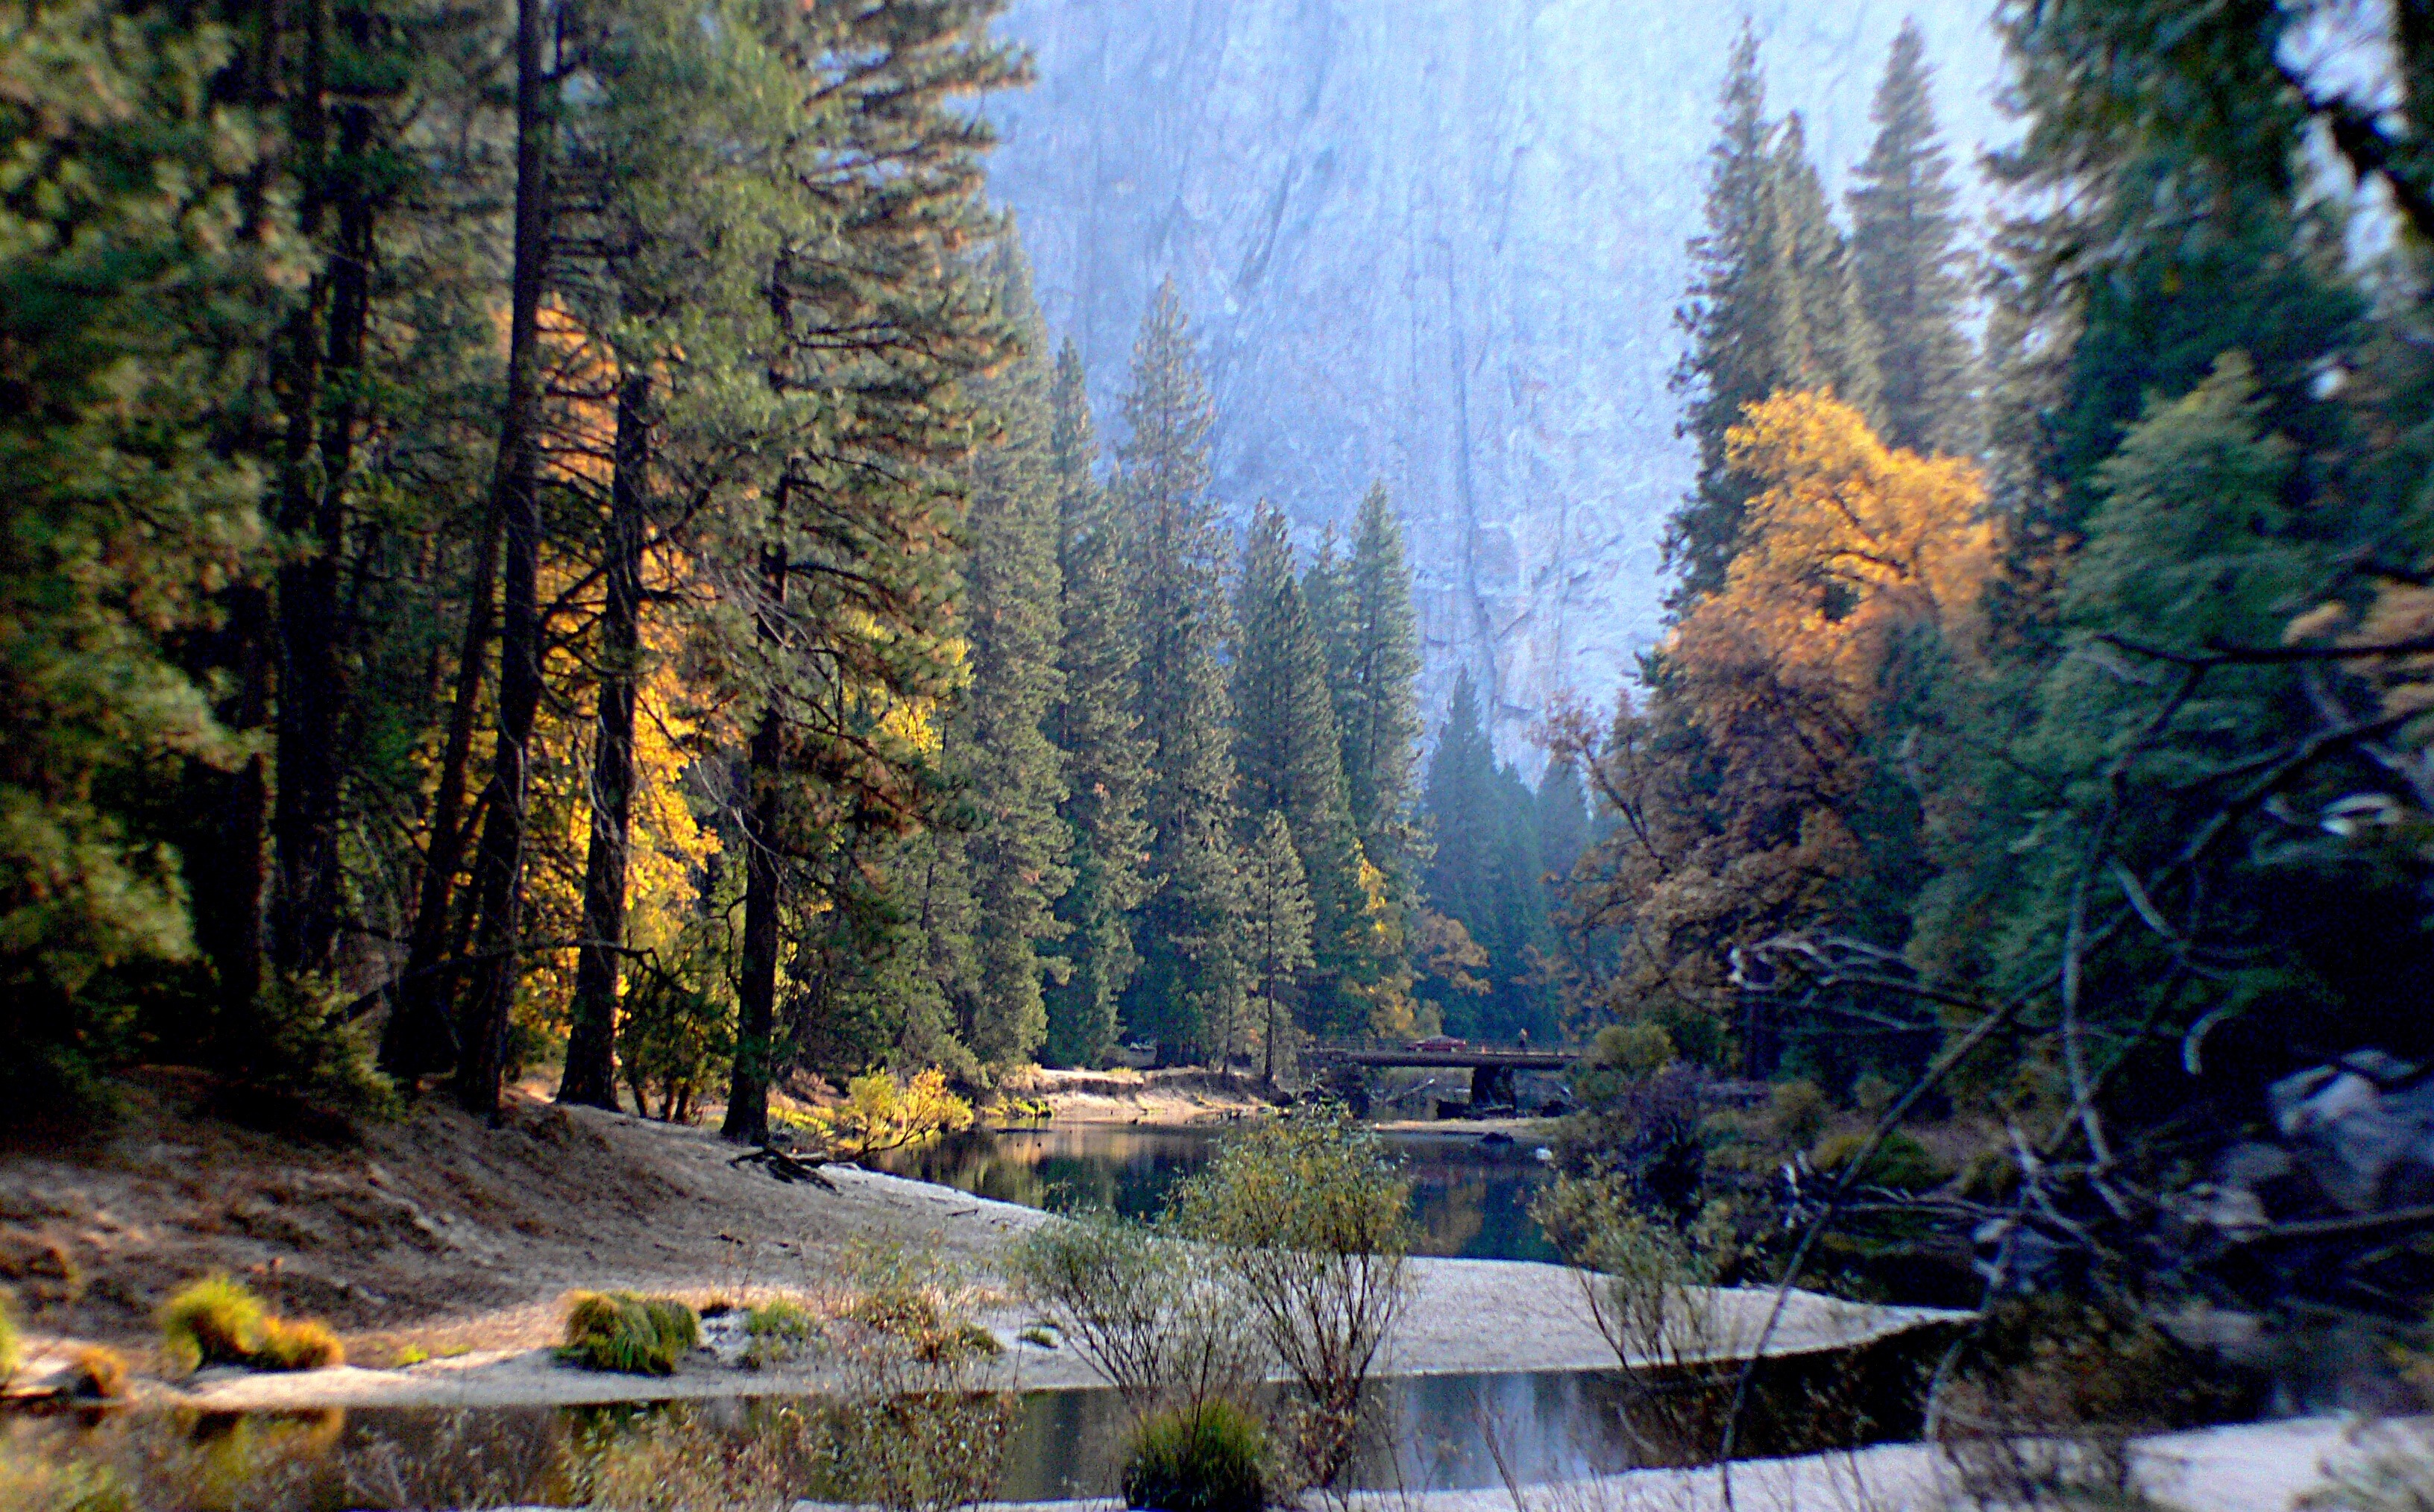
883	1111
921	1425
630	1334
98	1374
213	1322
302	1345
11	1349
1205	1458
778	1330
218	1321
1159	1321
1308	1214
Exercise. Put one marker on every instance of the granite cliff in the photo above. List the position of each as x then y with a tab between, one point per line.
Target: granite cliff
1437	243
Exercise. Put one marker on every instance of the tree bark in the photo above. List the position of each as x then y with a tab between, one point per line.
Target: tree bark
747	1095
226	863
498	864
591	1045
421	1035
312	696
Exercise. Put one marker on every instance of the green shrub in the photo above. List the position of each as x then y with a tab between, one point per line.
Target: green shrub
1208	1458
217	1321
778	1330
11	1348
781	1318
633	1335
1899	1162
1640	1048
213	1322
1799	1111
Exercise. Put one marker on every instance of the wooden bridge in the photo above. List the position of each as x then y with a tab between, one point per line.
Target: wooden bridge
1491	1069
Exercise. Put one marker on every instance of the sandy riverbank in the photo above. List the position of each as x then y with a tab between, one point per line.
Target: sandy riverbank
1466	1316
442	1241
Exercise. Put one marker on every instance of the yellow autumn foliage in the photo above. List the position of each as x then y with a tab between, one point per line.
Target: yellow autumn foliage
1845	542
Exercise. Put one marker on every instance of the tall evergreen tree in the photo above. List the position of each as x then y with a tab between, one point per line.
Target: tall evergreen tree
1288	760
1095	723
1563	816
1018	847
1772	304
844	649
1190	974
1486	872
1276	921
1377	687
1913	275
132	295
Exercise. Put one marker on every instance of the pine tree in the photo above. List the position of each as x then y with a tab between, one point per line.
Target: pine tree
1018	846
1912	277
1563	817
1190	980
1772	304
1288	759
1276	921
1377	708
133	291
1825	340
844	649
1094	724
1486	872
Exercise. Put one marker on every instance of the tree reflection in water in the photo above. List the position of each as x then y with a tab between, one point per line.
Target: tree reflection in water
1467	1199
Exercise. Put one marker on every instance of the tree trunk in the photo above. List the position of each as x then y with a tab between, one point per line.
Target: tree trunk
421	1035
498	864
747	1096
312	697
591	1045
226	864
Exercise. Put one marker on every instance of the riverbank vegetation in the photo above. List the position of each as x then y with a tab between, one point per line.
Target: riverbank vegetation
2013	875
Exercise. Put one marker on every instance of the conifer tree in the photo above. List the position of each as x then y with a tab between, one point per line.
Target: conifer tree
1913	277
133	292
1487	873
1772	304
1377	698
1563	816
1095	722
1018	846
1288	760
845	649
1276	921
1190	977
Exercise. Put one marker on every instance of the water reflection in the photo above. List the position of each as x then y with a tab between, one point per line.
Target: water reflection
1467	1199
1427	1432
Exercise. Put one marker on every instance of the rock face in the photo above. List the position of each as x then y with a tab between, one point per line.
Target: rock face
1436	242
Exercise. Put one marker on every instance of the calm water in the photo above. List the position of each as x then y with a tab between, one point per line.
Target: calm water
1427	1432
1467	1199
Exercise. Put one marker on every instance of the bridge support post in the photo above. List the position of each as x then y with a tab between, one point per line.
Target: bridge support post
1492	1085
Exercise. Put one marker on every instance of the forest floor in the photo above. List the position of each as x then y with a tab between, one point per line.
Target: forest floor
442	1249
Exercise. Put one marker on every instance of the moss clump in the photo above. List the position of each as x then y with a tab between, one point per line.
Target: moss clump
1209	1458
630	1334
217	1321
1898	1162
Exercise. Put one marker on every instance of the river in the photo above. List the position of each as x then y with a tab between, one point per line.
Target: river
1469	1198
